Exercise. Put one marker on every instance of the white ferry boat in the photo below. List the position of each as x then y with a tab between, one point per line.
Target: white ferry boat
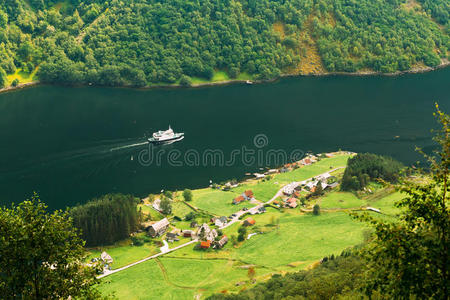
166	136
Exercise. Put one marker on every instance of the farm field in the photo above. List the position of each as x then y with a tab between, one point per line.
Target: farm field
217	202
287	240
125	254
340	200
309	171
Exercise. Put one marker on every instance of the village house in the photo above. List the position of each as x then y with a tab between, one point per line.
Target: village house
238	199
284	170
156	205
220	243
158	228
220	222
249	222
106	258
188	233
247	195
193	224
290	188
206	233
332	185
258	211
172	237
296	194
272	171
205	244
306	161
259	176
291	203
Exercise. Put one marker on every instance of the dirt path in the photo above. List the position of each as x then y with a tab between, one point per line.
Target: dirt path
108	272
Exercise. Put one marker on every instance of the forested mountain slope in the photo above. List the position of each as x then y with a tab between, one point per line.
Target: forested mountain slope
145	42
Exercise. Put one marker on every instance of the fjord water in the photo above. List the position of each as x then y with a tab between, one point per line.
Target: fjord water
72	144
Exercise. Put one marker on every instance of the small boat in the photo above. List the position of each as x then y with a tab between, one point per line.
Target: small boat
249	82
166	137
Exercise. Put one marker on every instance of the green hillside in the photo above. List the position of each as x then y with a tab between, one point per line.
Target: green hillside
153	42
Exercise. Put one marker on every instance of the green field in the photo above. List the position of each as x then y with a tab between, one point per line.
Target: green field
305	238
125	254
217	202
315	169
180	209
263	191
287	240
340	200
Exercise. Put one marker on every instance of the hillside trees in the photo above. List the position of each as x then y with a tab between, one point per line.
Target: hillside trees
3	78
107	219
410	258
140	43
365	167
41	255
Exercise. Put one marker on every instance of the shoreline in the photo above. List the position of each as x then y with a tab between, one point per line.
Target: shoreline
420	70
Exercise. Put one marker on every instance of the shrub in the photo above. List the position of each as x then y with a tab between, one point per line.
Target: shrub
316	210
187	195
185	81
240	237
190	216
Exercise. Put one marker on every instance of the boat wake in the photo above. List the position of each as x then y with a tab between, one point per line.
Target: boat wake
128	146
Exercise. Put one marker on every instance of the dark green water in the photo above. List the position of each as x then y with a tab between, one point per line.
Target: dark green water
72	144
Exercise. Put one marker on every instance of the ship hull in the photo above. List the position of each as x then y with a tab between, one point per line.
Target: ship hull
166	141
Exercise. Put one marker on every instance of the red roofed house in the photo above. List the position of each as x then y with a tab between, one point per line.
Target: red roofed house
307	161
238	199
249	222
291	202
248	194
297	194
205	244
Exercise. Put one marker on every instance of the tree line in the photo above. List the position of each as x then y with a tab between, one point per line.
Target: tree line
366	167
106	220
140	42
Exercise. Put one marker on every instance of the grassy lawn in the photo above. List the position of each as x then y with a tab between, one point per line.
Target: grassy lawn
263	191
304	238
220	76
173	278
144	281
22	76
125	253
217	77
315	169
386	204
217	202
150	212
336	199
180	209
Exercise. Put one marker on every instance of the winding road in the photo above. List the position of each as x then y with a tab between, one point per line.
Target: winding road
234	220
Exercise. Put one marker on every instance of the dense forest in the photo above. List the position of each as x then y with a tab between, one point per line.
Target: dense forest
147	42
366	167
106	220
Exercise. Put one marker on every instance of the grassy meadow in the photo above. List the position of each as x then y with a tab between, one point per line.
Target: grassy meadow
288	240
